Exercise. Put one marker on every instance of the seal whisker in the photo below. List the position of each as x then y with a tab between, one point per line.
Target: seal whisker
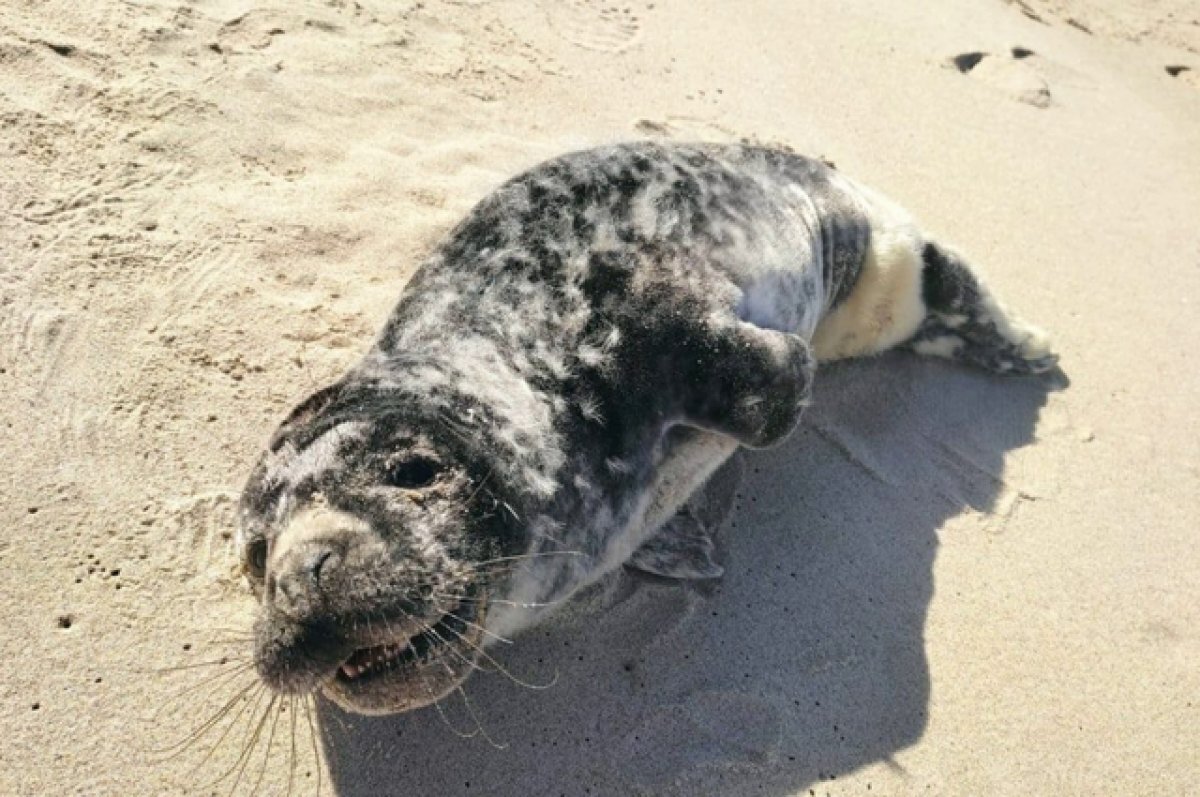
455	427
449	647
236	633
211	631
197	665
262	771
428	629
199	731
498	601
248	708
251	746
310	705
478	723
482	483
232	641
437	704
291	707
480	628
521	557
211	680
488	567
204	727
233	723
252	705
546	535
500	667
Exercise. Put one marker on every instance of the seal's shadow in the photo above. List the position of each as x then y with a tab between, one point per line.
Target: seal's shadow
806	661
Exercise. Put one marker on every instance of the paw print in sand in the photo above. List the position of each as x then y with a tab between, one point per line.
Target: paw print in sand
1013	73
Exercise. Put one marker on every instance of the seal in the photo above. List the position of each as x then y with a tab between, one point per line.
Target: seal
569	365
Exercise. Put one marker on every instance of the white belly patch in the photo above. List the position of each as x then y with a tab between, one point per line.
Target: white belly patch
885	306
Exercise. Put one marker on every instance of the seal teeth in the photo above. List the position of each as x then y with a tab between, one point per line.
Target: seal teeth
401	653
374	658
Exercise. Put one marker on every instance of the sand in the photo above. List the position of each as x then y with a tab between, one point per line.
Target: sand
944	583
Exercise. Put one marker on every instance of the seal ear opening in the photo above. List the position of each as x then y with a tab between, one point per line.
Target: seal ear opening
304	413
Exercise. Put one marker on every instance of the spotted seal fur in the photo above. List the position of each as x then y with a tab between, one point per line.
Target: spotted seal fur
576	357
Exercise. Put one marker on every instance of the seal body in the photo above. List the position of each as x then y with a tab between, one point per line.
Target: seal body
571	363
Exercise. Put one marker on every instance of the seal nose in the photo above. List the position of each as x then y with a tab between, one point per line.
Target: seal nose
307	561
296	585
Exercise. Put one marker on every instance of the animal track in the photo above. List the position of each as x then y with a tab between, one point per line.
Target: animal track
686	127
201	525
965	62
253	30
1171	22
1012	74
594	24
1184	73
197	270
40	335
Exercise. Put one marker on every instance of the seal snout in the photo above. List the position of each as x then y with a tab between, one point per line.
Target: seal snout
296	658
301	637
308	561
299	577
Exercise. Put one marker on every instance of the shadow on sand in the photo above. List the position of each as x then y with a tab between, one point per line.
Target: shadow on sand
806	661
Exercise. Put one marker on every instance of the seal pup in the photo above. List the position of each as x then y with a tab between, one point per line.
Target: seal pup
570	364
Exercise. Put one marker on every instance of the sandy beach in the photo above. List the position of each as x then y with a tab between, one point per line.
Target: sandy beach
944	583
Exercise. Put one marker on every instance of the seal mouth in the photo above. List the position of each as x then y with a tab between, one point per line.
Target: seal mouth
454	630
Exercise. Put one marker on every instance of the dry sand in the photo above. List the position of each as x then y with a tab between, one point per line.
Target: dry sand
943	584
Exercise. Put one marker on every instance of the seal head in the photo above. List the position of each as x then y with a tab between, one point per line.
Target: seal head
373	549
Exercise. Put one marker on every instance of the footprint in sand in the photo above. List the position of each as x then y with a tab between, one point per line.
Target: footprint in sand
197	272
1184	73
39	336
253	30
200	526
686	127
595	24
1013	73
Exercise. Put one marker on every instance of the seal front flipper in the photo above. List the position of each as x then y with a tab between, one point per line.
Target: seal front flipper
749	383
683	548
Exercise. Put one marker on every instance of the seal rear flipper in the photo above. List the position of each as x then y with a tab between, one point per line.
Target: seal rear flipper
965	321
683	548
758	383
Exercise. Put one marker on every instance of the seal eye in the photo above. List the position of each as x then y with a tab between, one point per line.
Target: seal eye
412	473
256	558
